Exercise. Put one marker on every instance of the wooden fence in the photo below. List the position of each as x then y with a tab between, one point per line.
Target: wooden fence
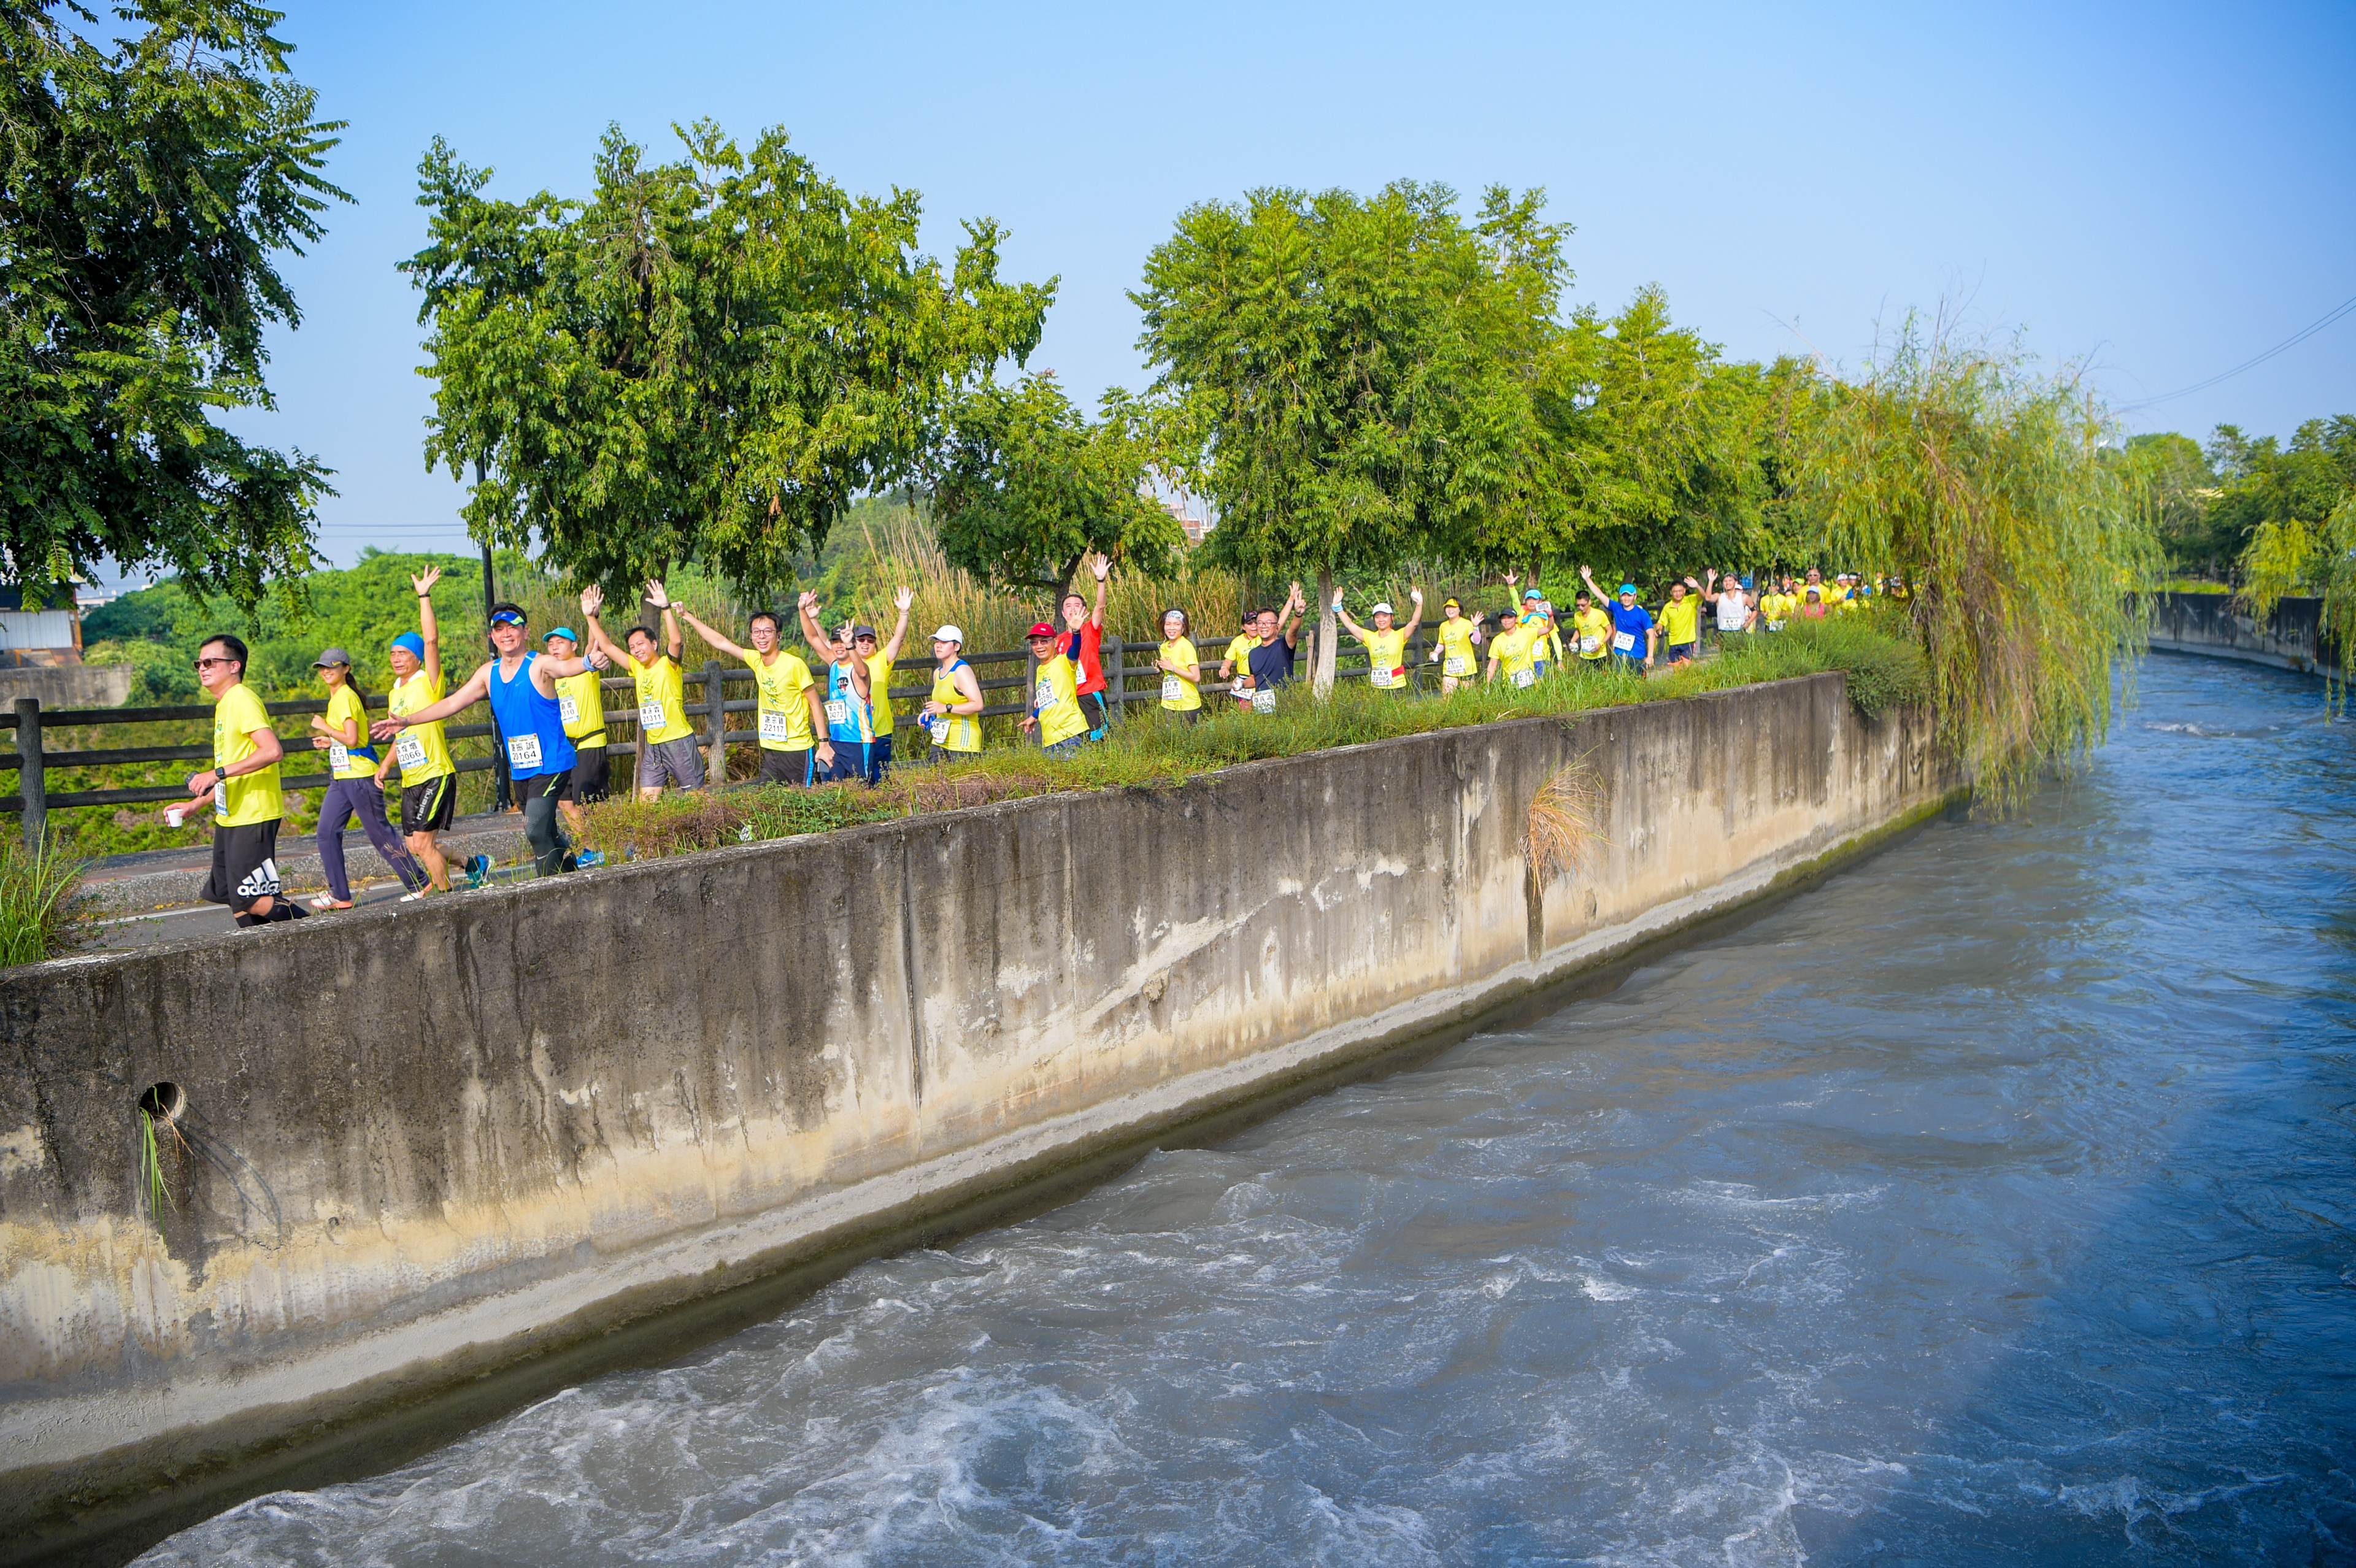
34	799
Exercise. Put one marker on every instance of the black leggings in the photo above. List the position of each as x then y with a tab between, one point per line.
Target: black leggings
551	851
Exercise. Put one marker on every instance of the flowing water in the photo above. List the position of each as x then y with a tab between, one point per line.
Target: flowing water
1992	1202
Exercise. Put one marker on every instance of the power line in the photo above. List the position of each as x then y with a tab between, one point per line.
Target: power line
2293	341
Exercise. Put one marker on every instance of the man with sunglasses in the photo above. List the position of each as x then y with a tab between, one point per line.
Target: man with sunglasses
531	724
243	783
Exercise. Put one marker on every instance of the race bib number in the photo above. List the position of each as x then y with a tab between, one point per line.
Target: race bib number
1774	625
1173	691
410	750
1264	700
937	727
1042	697
1624	642
338	759
523	751
220	796
774	726
838	711
1526	678
1458	664
1588	642
650	716
567	708
1388	679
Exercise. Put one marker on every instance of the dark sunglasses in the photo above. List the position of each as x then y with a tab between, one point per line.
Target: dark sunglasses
203	663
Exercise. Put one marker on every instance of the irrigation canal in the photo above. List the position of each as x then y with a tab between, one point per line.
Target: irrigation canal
1994	1201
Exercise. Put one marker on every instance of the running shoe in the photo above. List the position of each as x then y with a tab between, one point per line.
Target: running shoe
479	871
589	858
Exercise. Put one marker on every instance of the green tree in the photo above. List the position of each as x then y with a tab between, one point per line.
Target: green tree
2028	550
1335	358
706	361
146	189
2179	486
1027	485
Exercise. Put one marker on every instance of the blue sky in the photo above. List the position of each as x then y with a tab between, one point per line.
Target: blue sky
2161	192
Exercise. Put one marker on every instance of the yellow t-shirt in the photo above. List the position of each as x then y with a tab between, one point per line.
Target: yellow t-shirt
249	797
662	695
954	731
344	706
422	751
1594	629
879	693
1680	619
1386	658
783	718
1179	693
1239	652
581	703
1456	656
1512	651
1055	699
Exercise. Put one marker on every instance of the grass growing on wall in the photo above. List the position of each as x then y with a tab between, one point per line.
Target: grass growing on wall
40	904
1151	750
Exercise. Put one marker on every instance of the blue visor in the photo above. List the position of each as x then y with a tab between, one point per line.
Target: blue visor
506	618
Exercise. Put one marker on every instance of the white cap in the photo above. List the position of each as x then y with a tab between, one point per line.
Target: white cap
948	634
1382	609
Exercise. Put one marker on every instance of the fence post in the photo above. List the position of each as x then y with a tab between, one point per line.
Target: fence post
715	692
32	786
1116	679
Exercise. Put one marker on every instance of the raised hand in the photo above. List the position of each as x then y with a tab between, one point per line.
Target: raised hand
1512	579
655	593
903	596
807	602
1101	567
593	598
425	584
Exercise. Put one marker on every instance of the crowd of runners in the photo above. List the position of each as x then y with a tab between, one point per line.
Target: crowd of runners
835	722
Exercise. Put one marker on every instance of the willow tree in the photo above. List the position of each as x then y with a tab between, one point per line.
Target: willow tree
2028	547
153	171
1333	354
1024	485
706	361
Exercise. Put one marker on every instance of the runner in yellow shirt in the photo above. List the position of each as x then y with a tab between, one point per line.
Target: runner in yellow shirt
581	704
1591	631
673	756
1455	646
352	792
1510	649
952	714
788	718
1054	694
429	779
1239	656
1181	668
243	783
1386	643
1681	624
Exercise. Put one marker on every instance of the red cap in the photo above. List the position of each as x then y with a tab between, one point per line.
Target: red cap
1042	630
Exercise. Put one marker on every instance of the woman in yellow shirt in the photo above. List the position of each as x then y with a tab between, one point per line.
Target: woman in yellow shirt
1181	668
1386	643
342	733
952	715
1453	645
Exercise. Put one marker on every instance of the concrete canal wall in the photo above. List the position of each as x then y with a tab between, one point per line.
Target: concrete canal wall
2219	625
414	1146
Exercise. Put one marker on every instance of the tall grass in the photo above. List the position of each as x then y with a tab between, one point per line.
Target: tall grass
42	909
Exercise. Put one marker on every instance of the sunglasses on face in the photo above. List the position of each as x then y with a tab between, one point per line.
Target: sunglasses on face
202	664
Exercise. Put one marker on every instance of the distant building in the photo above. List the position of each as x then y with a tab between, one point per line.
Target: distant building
1195	526
50	636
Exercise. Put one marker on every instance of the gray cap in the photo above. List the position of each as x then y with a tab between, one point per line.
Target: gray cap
332	658
859	631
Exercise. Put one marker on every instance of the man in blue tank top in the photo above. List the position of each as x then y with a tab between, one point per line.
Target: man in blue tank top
845	700
521	686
